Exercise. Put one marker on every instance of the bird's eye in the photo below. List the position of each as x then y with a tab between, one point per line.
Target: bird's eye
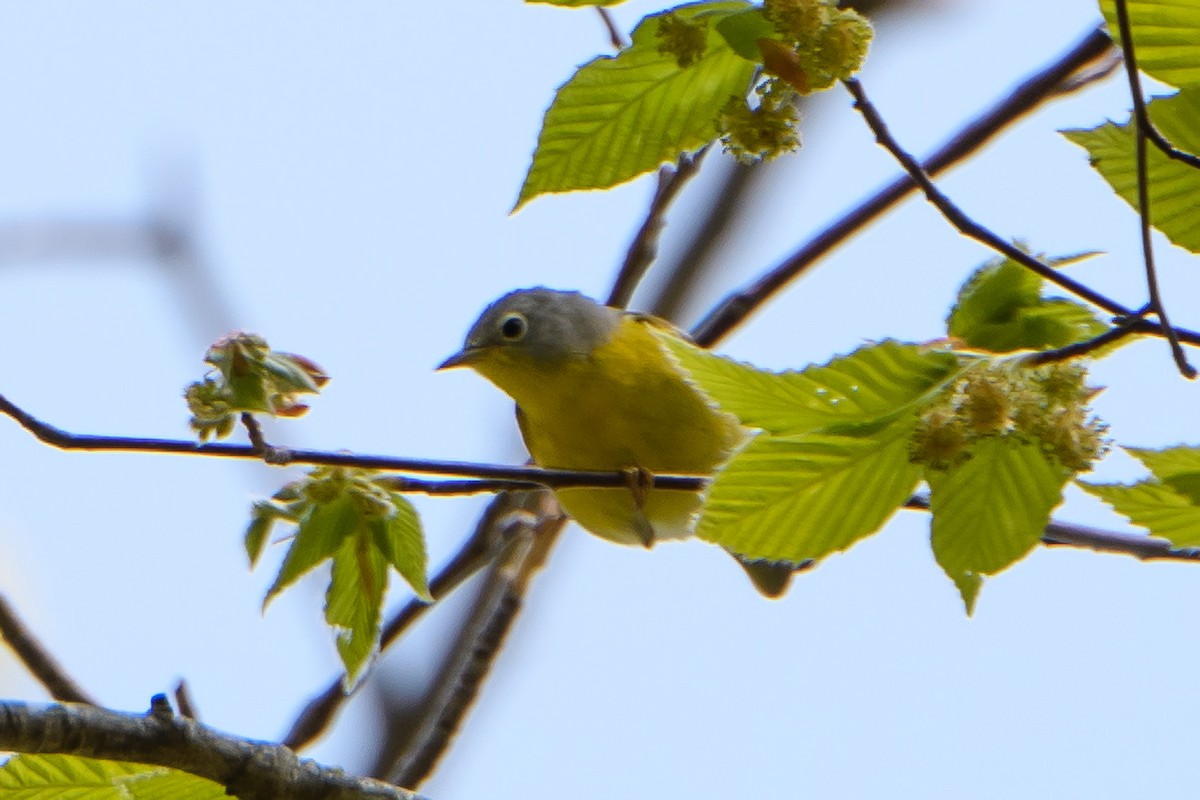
513	327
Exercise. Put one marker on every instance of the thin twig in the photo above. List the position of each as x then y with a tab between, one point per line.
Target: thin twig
35	658
615	37
183	700
1141	119
317	715
959	219
405	485
1045	84
644	247
1140	110
1160	141
478	643
254	432
1086	347
688	269
1125	326
512	477
249	770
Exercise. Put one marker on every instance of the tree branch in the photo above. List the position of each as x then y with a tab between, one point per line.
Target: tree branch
43	666
1067	534
959	219
250	770
615	37
1141	120
1043	85
1140	111
644	248
480	640
503	475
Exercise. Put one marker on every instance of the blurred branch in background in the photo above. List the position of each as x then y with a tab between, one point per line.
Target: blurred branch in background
165	237
36	659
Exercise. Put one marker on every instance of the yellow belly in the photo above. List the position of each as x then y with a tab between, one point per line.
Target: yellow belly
626	405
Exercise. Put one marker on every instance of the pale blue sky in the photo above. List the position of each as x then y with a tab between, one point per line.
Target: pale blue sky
351	168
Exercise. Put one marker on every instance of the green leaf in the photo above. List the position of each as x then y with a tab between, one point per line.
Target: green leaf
1178	467
354	601
991	510
968	585
400	539
1000	308
318	536
46	776
743	30
1166	36
872	383
1154	506
174	785
792	498
621	116
1174	186
1167	504
262	517
64	777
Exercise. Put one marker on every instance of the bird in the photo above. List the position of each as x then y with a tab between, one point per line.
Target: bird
596	390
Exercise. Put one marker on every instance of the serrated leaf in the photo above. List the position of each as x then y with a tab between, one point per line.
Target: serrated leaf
991	510
1000	308
318	536
262	517
66	777
402	542
1168	503
871	383
792	498
354	601
968	584
1166	37
1174	186
1177	467
34	777
1154	506
621	116
173	785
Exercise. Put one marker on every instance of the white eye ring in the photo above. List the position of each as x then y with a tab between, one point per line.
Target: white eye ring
513	326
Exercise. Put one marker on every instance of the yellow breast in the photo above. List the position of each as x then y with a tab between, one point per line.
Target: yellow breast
624	405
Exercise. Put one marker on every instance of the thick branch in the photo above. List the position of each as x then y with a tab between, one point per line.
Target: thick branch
250	770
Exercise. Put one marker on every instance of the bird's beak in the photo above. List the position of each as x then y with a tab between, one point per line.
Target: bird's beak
462	358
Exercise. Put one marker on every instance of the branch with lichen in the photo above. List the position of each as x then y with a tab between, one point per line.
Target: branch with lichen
249	770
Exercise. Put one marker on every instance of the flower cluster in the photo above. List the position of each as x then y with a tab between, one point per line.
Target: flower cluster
1046	405
248	376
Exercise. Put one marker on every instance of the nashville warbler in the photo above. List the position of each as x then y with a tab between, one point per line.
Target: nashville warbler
595	390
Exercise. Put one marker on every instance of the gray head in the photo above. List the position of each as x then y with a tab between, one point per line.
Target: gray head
543	324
